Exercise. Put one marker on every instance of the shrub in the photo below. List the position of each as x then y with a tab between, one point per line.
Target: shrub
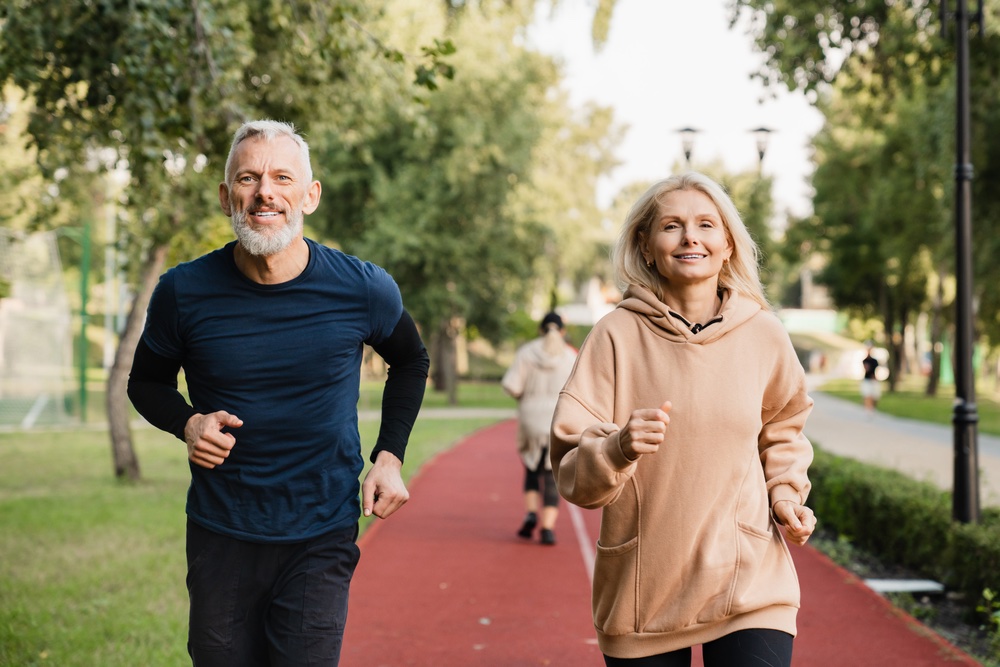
906	522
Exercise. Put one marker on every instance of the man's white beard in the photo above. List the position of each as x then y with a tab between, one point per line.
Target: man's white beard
268	242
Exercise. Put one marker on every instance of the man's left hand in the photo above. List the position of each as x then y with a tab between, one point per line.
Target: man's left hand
383	491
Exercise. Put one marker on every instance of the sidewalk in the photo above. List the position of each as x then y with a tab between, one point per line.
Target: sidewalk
446	583
922	450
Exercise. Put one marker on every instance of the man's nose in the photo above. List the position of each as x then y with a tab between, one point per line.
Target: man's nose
264	189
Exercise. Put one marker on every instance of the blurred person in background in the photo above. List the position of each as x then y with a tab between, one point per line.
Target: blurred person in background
539	371
871	391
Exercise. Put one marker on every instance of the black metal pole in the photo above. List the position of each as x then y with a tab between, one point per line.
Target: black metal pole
965	491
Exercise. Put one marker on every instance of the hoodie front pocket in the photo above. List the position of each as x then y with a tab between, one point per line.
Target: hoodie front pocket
765	575
616	588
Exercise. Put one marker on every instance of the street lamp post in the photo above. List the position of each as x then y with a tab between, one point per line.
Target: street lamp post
687	142
965	491
762	136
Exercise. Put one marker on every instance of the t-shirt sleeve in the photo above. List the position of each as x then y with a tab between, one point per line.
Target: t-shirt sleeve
385	304
162	331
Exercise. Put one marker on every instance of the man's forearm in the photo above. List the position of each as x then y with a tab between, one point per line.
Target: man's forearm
401	400
409	362
161	405
152	388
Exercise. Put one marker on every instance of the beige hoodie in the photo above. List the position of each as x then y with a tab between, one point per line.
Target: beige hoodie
688	551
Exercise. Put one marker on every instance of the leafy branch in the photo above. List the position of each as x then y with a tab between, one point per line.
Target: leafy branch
426	75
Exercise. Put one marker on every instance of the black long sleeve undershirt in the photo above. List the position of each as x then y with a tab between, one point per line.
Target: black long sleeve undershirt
152	388
409	362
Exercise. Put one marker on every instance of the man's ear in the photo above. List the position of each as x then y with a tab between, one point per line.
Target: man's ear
224	202
313	193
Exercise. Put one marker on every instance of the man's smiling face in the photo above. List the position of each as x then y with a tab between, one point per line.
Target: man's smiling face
269	195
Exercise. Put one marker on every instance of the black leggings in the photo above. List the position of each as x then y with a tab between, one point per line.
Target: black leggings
749	648
542	480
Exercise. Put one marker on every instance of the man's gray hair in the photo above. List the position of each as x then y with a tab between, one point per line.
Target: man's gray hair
268	130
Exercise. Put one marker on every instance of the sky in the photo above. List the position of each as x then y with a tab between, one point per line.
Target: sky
670	64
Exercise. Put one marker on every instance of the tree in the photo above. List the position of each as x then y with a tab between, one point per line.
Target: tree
479	197
164	84
884	79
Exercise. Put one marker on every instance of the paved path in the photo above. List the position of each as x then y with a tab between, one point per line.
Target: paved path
446	583
924	451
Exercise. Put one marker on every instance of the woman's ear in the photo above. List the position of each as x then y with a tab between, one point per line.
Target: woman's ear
641	242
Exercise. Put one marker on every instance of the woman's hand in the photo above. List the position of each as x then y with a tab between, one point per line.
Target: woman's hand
645	431
798	520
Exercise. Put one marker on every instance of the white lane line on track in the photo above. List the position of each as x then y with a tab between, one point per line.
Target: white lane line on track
583	539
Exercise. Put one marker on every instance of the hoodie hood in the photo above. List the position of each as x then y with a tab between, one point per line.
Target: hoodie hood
736	309
534	352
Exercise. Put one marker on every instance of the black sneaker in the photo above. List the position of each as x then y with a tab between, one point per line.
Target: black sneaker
528	527
548	537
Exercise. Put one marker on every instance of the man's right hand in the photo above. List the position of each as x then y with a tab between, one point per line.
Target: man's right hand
207	445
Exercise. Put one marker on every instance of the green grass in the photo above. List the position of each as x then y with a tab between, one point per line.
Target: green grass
92	569
910	401
478	394
470	394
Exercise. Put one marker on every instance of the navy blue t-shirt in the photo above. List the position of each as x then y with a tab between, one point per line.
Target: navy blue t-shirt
286	360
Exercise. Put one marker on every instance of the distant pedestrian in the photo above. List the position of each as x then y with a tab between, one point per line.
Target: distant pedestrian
538	373
683	420
870	389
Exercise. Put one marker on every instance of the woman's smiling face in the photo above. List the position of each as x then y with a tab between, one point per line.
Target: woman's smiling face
688	242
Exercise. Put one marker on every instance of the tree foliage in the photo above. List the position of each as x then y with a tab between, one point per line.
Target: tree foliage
884	79
480	197
157	88
443	181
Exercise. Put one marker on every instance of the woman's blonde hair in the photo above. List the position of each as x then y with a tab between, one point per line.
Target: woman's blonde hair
740	274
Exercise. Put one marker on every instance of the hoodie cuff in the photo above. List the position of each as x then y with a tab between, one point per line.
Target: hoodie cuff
785	492
614	454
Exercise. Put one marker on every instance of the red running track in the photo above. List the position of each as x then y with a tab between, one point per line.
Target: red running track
445	582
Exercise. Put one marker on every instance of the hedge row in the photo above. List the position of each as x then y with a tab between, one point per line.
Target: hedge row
906	522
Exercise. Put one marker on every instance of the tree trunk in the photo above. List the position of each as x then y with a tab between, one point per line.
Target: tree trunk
445	373
888	330
937	333
437	356
126	463
898	355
